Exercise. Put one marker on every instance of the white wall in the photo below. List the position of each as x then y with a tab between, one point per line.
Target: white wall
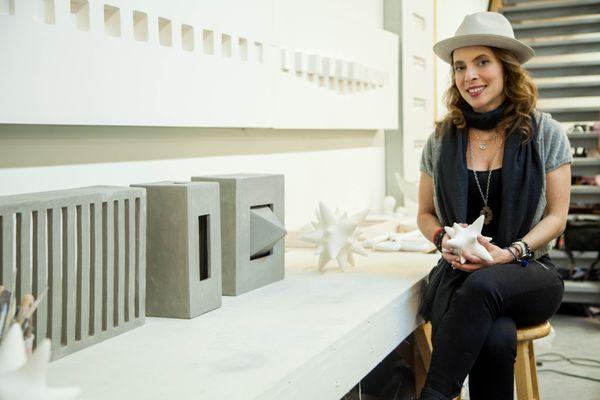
449	16
210	63
344	168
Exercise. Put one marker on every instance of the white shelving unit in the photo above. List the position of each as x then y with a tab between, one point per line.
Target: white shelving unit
311	336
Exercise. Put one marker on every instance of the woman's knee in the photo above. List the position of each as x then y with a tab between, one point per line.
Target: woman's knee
477	287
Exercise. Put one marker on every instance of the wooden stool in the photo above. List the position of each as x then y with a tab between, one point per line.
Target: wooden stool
525	368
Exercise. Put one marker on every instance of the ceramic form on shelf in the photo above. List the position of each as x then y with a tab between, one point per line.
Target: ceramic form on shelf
388	205
90	252
183	247
412	241
336	236
462	239
25	379
252	230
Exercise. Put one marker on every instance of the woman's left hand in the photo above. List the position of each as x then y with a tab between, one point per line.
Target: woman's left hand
499	256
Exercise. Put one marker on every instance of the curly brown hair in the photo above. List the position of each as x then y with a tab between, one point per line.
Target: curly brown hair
521	95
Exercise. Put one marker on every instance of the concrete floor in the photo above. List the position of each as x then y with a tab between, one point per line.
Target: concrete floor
571	337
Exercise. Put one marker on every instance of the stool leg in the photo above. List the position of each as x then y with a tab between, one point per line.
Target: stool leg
533	366
523	372
422	354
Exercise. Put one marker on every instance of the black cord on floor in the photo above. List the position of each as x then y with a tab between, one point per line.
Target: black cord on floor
568	374
579	361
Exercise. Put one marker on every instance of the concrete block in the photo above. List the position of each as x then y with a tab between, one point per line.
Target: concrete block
183	249
252	230
87	246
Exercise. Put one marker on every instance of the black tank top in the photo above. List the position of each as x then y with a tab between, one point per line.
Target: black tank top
475	201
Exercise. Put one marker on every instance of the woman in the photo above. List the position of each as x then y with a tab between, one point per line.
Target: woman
492	154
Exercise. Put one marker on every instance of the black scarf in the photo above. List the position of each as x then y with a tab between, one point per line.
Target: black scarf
522	174
484	121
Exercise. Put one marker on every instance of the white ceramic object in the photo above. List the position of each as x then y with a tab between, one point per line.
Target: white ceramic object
410	190
413	241
462	239
388	245
336	236
25	379
370	243
388	205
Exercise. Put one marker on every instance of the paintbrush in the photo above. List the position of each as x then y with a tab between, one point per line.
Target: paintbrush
10	315
26	303
35	305
4	305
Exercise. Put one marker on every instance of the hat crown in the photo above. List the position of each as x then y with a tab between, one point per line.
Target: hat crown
485	23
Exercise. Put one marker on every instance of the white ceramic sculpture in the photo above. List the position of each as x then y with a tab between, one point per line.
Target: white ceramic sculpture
410	190
25	379
336	236
462	239
407	241
388	205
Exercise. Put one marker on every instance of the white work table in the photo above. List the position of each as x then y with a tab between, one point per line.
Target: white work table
310	336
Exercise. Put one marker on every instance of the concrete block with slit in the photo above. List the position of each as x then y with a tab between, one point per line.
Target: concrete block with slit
87	246
183	249
252	230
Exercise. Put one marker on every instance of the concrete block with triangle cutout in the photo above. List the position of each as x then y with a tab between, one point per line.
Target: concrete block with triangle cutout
252	230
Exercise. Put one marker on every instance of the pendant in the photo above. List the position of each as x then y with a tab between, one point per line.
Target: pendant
482	146
487	213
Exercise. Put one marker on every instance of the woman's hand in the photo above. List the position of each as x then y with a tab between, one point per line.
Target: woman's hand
499	256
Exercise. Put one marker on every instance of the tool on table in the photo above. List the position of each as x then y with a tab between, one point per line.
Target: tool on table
22	315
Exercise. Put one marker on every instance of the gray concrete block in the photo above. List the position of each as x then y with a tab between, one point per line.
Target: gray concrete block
252	230
183	249
87	246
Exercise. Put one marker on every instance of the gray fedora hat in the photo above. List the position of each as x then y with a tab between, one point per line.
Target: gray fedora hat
483	29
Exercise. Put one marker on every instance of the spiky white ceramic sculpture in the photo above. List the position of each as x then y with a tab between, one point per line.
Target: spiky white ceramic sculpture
25	379
336	236
462	239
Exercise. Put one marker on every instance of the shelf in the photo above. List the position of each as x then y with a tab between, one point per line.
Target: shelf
586	166
588	140
583	258
581	292
274	342
585	194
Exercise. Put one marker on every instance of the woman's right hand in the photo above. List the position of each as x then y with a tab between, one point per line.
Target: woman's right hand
448	252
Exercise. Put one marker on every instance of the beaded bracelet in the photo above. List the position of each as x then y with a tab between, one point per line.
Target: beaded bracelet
438	238
524	250
439	228
509	248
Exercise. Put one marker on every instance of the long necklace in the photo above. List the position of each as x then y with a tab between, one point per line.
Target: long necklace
483	142
486	211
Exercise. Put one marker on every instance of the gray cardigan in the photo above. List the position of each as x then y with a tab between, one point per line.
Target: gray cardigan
555	151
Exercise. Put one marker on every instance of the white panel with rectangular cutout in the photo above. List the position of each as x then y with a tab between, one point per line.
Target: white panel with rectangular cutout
188	63
417	81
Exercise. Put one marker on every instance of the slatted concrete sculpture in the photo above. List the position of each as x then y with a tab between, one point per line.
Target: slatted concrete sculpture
88	247
183	249
252	229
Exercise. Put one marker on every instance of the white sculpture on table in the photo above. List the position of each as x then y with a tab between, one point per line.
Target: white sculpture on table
412	241
25	379
410	191
388	205
462	239
336	236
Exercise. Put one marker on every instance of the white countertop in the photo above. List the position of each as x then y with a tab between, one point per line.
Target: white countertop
311	336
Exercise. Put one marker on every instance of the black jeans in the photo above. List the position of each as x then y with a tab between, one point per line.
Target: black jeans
477	335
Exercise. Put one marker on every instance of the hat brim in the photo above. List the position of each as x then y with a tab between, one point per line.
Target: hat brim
444	48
